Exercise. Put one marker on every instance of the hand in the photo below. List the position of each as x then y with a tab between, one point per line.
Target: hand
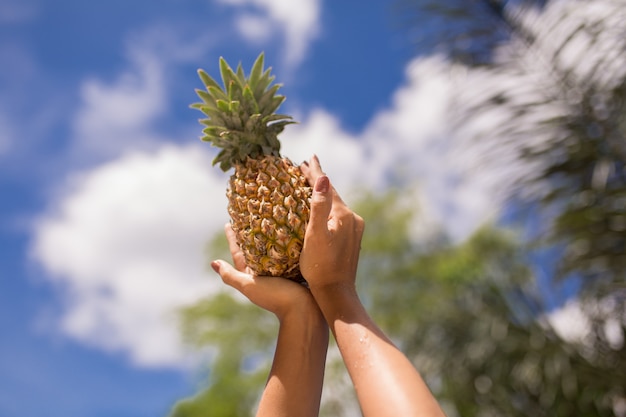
333	237
277	295
388	384
294	385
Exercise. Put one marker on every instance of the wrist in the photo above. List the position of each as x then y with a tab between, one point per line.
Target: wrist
338	301
333	291
302	313
307	326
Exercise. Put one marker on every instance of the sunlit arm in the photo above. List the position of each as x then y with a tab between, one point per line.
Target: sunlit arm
385	380
294	386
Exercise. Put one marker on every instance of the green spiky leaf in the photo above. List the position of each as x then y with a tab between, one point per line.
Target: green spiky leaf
241	114
207	80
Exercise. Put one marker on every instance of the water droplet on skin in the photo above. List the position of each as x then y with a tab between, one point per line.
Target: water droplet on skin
316	265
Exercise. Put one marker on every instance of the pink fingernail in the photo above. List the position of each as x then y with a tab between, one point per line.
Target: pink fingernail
216	266
322	184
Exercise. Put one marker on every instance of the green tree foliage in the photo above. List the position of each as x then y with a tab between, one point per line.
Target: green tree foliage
555	90
472	322
241	335
240	338
467	315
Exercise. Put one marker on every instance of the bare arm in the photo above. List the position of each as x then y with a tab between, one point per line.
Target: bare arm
294	385
386	382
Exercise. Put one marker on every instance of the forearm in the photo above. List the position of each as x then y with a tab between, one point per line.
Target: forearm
373	361
294	386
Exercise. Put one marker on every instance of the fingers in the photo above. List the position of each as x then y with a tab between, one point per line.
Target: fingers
321	205
230	275
238	258
312	170
278	295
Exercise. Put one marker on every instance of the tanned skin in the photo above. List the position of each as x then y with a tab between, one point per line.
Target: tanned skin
386	382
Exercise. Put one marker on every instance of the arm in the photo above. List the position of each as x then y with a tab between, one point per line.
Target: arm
294	386
386	382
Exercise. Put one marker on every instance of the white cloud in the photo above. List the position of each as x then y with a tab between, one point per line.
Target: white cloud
408	144
126	113
416	142
255	28
342	155
570	322
574	321
172	43
125	240
297	20
126	244
117	117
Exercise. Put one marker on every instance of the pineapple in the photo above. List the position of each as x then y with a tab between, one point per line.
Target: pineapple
268	197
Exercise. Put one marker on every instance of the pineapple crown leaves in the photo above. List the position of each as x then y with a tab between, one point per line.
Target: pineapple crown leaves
241	115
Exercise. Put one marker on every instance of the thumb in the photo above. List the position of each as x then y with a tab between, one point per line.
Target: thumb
321	204
229	274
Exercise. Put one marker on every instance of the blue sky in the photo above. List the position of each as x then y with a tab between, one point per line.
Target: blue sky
94	97
107	197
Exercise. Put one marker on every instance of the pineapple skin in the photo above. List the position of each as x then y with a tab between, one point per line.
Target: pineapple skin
269	205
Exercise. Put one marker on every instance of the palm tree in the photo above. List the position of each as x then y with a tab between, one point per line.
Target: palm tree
543	99
553	75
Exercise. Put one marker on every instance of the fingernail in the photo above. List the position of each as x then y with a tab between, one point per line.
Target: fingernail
305	163
322	184
216	266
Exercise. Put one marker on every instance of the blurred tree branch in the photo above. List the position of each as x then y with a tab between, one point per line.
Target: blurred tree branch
556	85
